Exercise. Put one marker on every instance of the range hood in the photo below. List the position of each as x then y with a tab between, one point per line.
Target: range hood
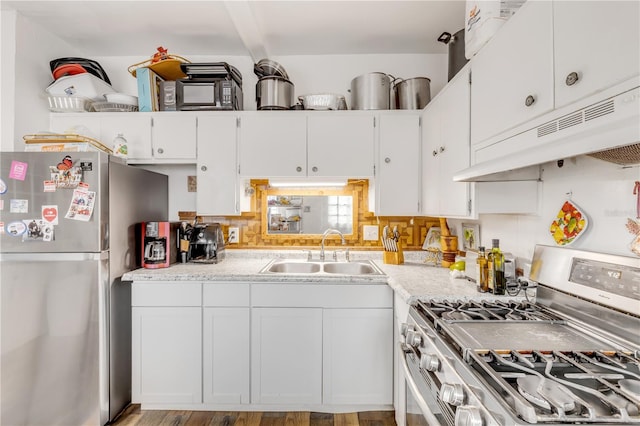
605	125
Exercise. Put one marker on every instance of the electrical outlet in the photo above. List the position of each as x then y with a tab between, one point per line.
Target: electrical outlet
370	232
234	235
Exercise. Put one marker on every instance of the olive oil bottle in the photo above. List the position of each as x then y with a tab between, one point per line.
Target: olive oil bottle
481	270
495	267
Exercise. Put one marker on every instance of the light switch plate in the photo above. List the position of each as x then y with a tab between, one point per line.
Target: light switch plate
370	233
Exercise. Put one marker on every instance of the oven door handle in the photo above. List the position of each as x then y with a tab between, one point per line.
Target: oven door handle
426	411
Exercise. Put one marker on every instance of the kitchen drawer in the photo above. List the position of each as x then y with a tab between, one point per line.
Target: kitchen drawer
164	293
225	294
302	295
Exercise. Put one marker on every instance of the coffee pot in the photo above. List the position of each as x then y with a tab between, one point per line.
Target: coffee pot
155	250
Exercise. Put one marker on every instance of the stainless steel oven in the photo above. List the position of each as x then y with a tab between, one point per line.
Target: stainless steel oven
420	407
572	356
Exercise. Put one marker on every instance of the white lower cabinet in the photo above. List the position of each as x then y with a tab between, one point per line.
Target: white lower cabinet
349	376
167	355
286	356
241	345
225	367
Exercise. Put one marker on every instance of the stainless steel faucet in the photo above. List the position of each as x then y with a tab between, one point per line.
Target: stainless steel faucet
329	232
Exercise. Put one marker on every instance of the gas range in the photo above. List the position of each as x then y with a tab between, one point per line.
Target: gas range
572	356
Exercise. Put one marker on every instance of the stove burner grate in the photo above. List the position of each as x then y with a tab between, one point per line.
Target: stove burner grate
565	387
485	311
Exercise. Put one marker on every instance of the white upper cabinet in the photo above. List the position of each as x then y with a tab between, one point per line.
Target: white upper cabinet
596	41
173	136
161	138
273	144
340	144
217	166
397	182
316	144
105	127
512	76
445	150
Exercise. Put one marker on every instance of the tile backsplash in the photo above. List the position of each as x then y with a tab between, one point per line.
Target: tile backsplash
413	230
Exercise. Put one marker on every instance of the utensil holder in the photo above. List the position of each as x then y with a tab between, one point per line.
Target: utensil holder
393	257
449	245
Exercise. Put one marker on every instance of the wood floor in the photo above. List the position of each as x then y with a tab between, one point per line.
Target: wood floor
134	416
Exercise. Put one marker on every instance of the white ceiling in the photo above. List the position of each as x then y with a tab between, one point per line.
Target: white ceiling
257	28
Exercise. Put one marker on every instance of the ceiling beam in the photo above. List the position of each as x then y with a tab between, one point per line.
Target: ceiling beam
247	27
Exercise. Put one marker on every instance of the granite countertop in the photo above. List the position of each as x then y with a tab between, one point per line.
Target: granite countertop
413	280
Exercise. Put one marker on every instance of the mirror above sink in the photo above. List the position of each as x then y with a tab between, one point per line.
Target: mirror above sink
306	213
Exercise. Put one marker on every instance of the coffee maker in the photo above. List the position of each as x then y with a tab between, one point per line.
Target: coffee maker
206	244
158	244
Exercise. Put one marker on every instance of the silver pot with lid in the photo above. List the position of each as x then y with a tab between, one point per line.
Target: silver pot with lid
274	90
412	93
372	91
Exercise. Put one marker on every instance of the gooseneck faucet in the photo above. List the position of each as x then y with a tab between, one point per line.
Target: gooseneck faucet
329	232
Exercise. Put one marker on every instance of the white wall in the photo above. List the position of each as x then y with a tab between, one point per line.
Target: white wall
7	77
28	74
179	198
604	191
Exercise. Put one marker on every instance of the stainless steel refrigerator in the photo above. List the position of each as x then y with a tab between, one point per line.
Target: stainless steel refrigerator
67	234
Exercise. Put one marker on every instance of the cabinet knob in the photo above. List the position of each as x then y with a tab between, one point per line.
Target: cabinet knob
572	78
160	151
434	153
298	169
530	100
314	169
442	149
203	168
387	160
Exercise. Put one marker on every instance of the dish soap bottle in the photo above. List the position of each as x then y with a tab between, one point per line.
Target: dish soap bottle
120	146
495	267
481	271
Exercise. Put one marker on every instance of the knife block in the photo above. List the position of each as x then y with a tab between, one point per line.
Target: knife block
393	257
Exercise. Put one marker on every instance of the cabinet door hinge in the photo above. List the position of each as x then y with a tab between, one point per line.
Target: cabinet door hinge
151	121
469	77
469	207
238	122
374	122
374	170
238	168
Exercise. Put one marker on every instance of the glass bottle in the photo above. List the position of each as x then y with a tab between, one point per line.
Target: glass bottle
495	266
120	148
481	271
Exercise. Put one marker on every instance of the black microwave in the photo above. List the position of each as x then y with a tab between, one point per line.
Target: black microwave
201	94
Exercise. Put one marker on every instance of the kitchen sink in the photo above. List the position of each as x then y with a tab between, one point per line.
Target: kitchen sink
361	267
295	267
349	268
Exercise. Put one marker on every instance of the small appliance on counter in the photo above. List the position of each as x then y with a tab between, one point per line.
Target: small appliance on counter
207	243
209	86
159	244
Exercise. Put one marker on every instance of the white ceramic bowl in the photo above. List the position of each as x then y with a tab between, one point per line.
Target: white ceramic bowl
121	98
